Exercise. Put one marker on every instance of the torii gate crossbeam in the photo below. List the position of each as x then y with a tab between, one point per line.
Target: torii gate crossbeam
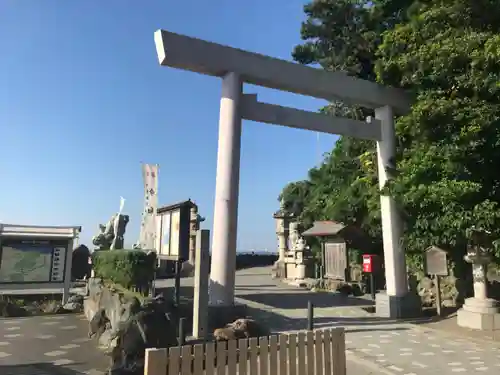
236	67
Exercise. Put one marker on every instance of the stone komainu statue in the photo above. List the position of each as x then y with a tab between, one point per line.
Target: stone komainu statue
120	225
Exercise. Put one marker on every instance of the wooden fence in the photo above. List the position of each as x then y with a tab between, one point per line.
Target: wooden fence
320	352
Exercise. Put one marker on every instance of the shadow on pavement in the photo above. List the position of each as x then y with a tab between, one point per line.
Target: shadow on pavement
276	322
274	317
299	300
256	287
379	329
37	369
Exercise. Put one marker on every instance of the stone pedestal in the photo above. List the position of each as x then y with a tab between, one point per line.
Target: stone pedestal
300	271
479	312
398	307
279	270
482	314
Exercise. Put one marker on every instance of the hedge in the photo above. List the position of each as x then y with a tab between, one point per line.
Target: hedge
128	268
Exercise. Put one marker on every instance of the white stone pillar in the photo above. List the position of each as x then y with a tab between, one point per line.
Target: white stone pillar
223	265
280	232
394	255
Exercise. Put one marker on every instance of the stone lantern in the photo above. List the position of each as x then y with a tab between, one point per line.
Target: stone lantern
283	218
479	312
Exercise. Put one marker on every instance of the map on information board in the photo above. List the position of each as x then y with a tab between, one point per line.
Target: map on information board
26	263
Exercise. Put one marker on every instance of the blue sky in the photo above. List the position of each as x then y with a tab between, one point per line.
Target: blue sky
83	102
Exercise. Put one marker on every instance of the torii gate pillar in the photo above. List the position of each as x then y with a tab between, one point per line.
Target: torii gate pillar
227	181
396	301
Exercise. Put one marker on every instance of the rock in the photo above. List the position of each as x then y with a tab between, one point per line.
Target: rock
52	307
12	310
250	327
240	328
98	324
119	306
125	327
357	291
148	328
74	304
344	289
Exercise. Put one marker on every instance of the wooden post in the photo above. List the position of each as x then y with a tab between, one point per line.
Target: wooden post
437	283
200	307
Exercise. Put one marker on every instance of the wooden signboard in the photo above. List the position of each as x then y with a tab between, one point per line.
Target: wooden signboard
436	261
436	264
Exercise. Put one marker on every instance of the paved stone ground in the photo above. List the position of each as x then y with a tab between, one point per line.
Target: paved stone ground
49	345
399	348
57	345
374	345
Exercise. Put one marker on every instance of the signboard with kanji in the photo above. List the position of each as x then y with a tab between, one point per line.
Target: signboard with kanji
370	263
436	261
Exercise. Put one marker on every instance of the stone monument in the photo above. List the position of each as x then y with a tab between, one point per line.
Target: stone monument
283	219
479	312
149	222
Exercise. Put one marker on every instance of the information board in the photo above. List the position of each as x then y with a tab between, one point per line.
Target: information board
32	261
436	261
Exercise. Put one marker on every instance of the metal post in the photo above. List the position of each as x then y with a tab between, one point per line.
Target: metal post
182	332
152	287
310	316
372	285
177	285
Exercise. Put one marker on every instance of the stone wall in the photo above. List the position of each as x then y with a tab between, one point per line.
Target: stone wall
453	291
243	261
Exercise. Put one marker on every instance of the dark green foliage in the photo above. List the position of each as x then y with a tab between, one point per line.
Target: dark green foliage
446	53
128	268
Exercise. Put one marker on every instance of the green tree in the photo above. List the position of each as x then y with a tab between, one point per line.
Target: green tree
445	52
343	35
448	54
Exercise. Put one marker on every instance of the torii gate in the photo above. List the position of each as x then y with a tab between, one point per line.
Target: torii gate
235	67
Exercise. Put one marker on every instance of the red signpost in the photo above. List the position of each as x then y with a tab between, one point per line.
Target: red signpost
370	265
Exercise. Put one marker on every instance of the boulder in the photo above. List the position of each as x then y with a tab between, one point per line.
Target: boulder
148	328
74	304
125	327
240	329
